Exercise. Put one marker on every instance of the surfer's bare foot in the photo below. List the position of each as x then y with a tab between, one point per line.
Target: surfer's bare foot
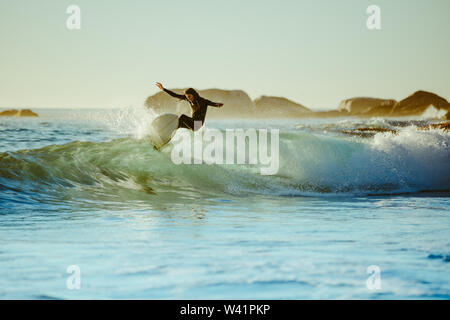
159	85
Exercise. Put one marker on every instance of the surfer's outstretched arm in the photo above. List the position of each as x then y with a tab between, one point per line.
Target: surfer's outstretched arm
173	94
213	104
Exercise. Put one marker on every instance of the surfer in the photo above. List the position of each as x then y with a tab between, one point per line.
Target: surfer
198	105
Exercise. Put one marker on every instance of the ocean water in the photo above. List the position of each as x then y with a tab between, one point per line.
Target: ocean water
86	189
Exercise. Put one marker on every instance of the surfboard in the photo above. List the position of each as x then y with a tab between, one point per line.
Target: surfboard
162	129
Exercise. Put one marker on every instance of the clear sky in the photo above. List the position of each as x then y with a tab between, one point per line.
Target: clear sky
315	52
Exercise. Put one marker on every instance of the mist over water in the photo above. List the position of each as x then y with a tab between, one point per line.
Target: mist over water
87	188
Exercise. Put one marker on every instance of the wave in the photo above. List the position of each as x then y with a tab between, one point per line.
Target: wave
433	113
310	164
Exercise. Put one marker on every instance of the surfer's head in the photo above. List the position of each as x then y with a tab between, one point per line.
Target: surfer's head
191	94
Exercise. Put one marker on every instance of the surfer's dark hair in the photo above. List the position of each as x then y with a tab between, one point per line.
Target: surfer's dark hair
191	91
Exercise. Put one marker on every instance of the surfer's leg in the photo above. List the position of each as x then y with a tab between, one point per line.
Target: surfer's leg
189	123
186	122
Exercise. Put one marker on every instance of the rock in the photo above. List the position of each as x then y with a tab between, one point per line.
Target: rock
236	103
26	113
382	110
368	132
374	129
278	107
9	113
442	125
367	106
18	113
418	102
328	114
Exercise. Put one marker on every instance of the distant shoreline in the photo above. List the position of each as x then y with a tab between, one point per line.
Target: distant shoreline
238	102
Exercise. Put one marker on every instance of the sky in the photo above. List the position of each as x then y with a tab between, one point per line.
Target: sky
315	52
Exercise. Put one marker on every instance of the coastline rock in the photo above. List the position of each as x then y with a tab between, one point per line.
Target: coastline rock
278	107
418	102
18	113
26	113
328	114
382	110
367	106
368	132
9	113
443	125
237	103
421	103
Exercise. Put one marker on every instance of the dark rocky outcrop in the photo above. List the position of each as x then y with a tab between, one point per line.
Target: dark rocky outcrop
414	105
442	125
18	113
368	132
278	107
328	114
236	103
366	106
9	113
381	110
371	131
418	102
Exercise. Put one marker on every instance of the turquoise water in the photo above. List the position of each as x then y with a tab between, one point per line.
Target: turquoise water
85	188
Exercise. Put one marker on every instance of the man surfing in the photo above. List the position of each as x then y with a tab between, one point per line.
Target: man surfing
198	105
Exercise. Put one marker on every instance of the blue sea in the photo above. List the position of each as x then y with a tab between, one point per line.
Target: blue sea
84	189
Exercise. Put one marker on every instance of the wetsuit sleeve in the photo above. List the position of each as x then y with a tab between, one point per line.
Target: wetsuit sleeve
210	103
175	95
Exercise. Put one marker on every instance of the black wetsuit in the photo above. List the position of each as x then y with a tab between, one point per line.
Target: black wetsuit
199	107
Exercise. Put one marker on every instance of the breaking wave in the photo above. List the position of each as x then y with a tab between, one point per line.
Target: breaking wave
310	164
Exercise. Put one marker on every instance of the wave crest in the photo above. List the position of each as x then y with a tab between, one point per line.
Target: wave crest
410	161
